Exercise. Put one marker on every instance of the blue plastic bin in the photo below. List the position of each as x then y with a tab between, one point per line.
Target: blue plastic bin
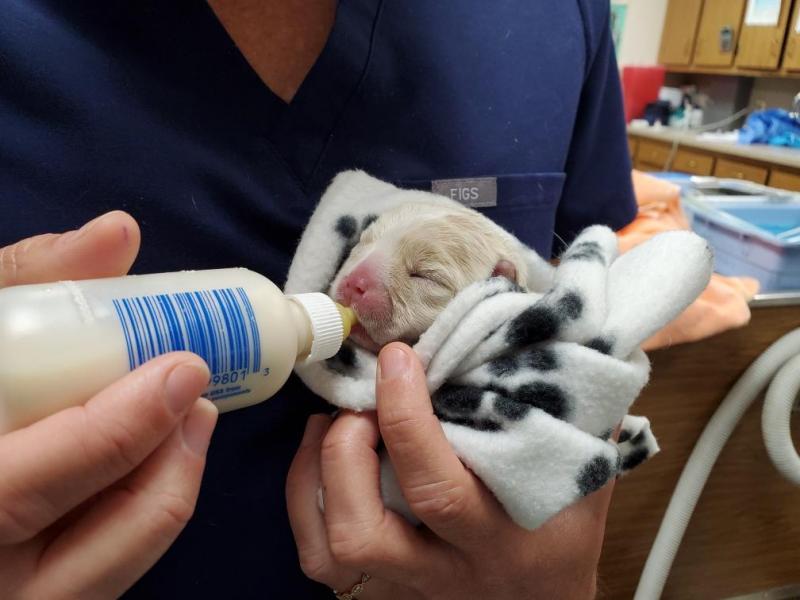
754	235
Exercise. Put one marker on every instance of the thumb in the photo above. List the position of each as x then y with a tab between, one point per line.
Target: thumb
438	488
104	247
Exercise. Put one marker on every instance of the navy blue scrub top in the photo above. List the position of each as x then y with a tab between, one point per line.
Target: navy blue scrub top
149	107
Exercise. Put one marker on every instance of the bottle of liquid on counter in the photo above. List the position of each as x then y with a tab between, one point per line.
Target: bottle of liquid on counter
60	343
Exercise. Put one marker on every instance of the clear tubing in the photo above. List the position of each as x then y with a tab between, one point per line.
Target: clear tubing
710	444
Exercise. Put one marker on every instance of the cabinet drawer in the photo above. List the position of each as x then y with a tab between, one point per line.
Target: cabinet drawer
632	146
645	168
695	163
784	180
731	169
653	153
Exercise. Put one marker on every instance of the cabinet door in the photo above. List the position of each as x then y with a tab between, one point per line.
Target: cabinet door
791	57
759	45
732	169
718	15
784	180
653	154
680	30
696	163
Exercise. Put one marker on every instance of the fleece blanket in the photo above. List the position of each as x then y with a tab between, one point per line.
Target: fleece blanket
529	384
723	304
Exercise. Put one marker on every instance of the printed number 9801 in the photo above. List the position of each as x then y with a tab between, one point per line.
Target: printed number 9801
226	378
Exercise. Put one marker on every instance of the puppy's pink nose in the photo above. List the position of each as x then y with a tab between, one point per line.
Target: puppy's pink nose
353	287
364	290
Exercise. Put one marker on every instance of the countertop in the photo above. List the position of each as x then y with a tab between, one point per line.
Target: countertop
788	157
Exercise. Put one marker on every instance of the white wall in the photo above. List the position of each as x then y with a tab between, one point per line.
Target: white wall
642	35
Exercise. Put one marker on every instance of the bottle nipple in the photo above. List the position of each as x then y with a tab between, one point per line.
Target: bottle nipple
349	319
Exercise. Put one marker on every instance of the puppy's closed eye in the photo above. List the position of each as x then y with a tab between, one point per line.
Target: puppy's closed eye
412	261
428	276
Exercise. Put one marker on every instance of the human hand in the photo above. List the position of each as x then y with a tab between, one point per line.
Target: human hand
468	546
92	496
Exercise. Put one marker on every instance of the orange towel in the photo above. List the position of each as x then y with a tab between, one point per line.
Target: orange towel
723	304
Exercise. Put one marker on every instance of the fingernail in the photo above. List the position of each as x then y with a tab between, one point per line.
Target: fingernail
315	429
199	425
393	363
184	384
321	499
78	233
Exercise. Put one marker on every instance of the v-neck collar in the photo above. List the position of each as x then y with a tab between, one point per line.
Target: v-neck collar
299	130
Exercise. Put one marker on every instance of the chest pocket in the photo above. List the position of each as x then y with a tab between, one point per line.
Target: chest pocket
524	204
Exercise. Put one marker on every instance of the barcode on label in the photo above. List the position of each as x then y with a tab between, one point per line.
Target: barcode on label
219	325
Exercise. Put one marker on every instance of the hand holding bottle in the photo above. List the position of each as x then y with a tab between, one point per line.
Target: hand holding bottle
92	496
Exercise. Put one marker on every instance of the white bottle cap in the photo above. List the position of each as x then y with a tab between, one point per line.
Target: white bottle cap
327	328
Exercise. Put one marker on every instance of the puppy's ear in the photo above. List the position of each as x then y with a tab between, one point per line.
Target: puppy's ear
505	268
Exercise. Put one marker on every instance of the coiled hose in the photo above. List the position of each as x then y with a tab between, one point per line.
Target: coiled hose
781	361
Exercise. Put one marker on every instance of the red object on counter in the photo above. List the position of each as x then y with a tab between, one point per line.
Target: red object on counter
640	86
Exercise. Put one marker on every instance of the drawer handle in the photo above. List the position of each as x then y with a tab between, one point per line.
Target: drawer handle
739	175
692	163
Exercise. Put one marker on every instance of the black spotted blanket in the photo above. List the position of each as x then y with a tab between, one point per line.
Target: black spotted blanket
529	384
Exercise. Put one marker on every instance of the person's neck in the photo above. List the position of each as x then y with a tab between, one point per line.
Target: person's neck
281	39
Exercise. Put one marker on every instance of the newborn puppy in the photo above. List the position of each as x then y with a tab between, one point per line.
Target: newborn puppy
412	261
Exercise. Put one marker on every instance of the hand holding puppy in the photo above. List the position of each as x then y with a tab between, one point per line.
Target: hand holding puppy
468	546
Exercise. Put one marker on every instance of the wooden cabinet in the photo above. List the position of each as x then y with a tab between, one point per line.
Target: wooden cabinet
718	15
696	163
653	154
659	154
680	31
712	36
760	46
784	180
645	168
791	56
632	146
732	169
